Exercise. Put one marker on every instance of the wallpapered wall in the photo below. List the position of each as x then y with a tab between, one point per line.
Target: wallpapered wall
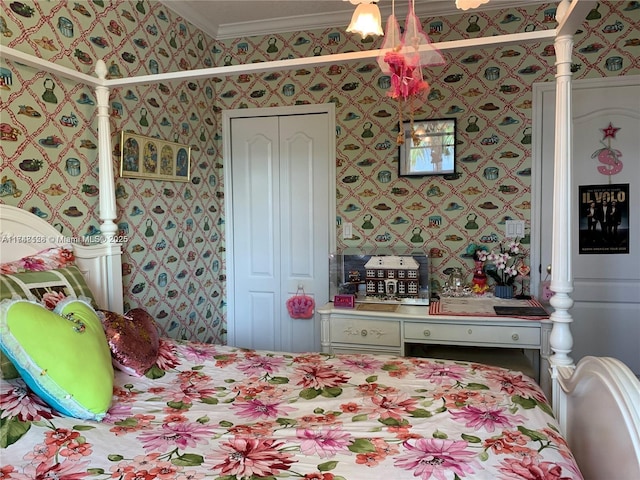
174	259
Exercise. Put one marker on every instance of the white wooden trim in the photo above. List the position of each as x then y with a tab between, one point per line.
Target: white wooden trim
274	65
329	19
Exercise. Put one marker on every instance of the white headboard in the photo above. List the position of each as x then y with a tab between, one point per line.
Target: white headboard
23	233
598	407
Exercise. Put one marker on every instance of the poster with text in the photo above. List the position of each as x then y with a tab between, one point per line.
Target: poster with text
604	219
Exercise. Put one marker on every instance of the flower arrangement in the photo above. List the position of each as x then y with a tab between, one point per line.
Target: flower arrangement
504	263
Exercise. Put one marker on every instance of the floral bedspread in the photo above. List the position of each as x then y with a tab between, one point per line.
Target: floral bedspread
210	411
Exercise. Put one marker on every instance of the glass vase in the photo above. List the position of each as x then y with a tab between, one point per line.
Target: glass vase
479	280
456	280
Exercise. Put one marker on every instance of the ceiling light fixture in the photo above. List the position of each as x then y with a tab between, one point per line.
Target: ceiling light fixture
467	4
366	20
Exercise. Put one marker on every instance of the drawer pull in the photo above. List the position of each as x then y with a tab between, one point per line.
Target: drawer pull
515	337
427	333
469	331
353	331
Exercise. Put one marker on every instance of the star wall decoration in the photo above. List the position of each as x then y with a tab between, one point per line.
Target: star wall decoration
610	131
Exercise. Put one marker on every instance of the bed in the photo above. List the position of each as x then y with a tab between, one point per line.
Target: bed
212	411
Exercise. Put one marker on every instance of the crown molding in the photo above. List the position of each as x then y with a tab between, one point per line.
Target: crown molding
284	24
337	19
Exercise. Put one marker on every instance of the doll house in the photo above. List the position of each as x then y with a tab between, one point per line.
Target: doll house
392	276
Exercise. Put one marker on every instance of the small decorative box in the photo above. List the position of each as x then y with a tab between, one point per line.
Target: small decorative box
344	301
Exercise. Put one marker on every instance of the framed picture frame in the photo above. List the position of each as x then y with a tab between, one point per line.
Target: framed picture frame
429	148
154	159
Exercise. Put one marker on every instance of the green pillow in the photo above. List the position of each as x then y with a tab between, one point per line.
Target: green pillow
40	286
46	287
63	356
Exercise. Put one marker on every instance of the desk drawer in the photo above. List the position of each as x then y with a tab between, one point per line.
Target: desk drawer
478	334
362	350
365	331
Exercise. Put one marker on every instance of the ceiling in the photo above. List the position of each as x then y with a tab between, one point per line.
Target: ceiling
223	19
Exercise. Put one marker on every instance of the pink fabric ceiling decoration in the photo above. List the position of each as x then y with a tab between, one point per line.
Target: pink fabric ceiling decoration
403	60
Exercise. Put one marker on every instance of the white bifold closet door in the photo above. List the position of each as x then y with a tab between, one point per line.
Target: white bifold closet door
280	200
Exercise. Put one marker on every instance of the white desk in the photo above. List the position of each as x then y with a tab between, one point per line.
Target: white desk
345	330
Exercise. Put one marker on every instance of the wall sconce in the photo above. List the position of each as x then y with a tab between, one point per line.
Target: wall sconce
366	19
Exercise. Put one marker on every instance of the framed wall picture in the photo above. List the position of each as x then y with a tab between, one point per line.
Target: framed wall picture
603	219
429	148
154	159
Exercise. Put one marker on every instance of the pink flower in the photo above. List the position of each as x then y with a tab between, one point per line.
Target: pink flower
319	376
191	392
394	406
260	364
255	409
67	470
506	261
324	443
515	384
75	451
438	458
361	363
511	271
9	472
528	468
439	373
164	470
486	417
41	453
60	436
143	462
167	358
18	401
51	299
252	457
117	413
176	435
34	264
198	352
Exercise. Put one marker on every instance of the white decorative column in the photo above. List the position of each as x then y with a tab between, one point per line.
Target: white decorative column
107	199
561	340
105	163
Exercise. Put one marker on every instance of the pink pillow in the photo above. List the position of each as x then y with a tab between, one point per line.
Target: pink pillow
49	259
133	340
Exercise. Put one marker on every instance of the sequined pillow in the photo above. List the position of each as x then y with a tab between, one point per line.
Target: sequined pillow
133	340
